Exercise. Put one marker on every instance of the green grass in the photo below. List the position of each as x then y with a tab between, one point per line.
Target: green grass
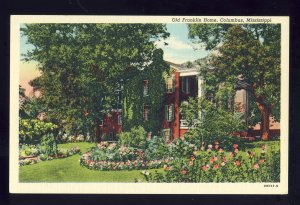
69	170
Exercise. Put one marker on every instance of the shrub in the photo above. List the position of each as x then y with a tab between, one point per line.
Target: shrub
156	149
220	166
181	148
49	144
213	123
135	138
32	130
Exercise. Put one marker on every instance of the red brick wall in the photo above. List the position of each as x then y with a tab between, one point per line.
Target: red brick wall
110	123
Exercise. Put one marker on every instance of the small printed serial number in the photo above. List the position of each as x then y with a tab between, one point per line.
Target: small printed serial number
271	185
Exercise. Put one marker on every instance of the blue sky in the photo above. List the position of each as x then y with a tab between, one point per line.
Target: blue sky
180	48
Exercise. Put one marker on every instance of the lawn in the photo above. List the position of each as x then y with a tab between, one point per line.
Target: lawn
69	170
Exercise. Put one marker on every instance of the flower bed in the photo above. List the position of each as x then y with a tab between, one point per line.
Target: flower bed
112	157
31	154
209	165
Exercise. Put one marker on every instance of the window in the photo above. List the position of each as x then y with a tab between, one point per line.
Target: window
169	112
145	87
167	134
119	119
185	85
170	84
112	136
146	112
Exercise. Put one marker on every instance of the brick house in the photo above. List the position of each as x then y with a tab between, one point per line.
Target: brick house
181	83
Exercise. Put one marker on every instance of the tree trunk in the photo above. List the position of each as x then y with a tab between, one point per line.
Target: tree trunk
265	121
96	131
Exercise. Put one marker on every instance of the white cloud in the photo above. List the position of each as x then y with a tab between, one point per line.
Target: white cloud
174	43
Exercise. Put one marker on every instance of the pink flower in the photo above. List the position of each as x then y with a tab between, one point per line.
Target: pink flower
204	168
168	168
235	146
183	171
261	161
223	164
256	166
213	159
191	163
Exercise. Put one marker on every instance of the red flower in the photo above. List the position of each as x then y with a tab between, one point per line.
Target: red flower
237	163
224	159
168	168
204	168
216	166
235	146
213	159
192	158
183	171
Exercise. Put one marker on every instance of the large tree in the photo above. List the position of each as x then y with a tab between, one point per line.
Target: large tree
243	57
83	64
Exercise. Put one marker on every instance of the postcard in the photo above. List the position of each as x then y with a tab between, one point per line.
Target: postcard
149	104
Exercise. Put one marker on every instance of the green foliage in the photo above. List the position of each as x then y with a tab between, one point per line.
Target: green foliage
82	64
156	149
134	100
181	148
219	166
48	142
135	138
250	51
113	157
31	154
32	130
212	123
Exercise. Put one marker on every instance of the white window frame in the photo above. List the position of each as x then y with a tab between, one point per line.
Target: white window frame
119	119
169	116
169	131
172	89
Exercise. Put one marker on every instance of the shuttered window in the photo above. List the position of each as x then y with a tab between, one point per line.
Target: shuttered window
169	112
167	133
170	84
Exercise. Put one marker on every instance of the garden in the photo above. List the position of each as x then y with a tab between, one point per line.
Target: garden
60	137
229	159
